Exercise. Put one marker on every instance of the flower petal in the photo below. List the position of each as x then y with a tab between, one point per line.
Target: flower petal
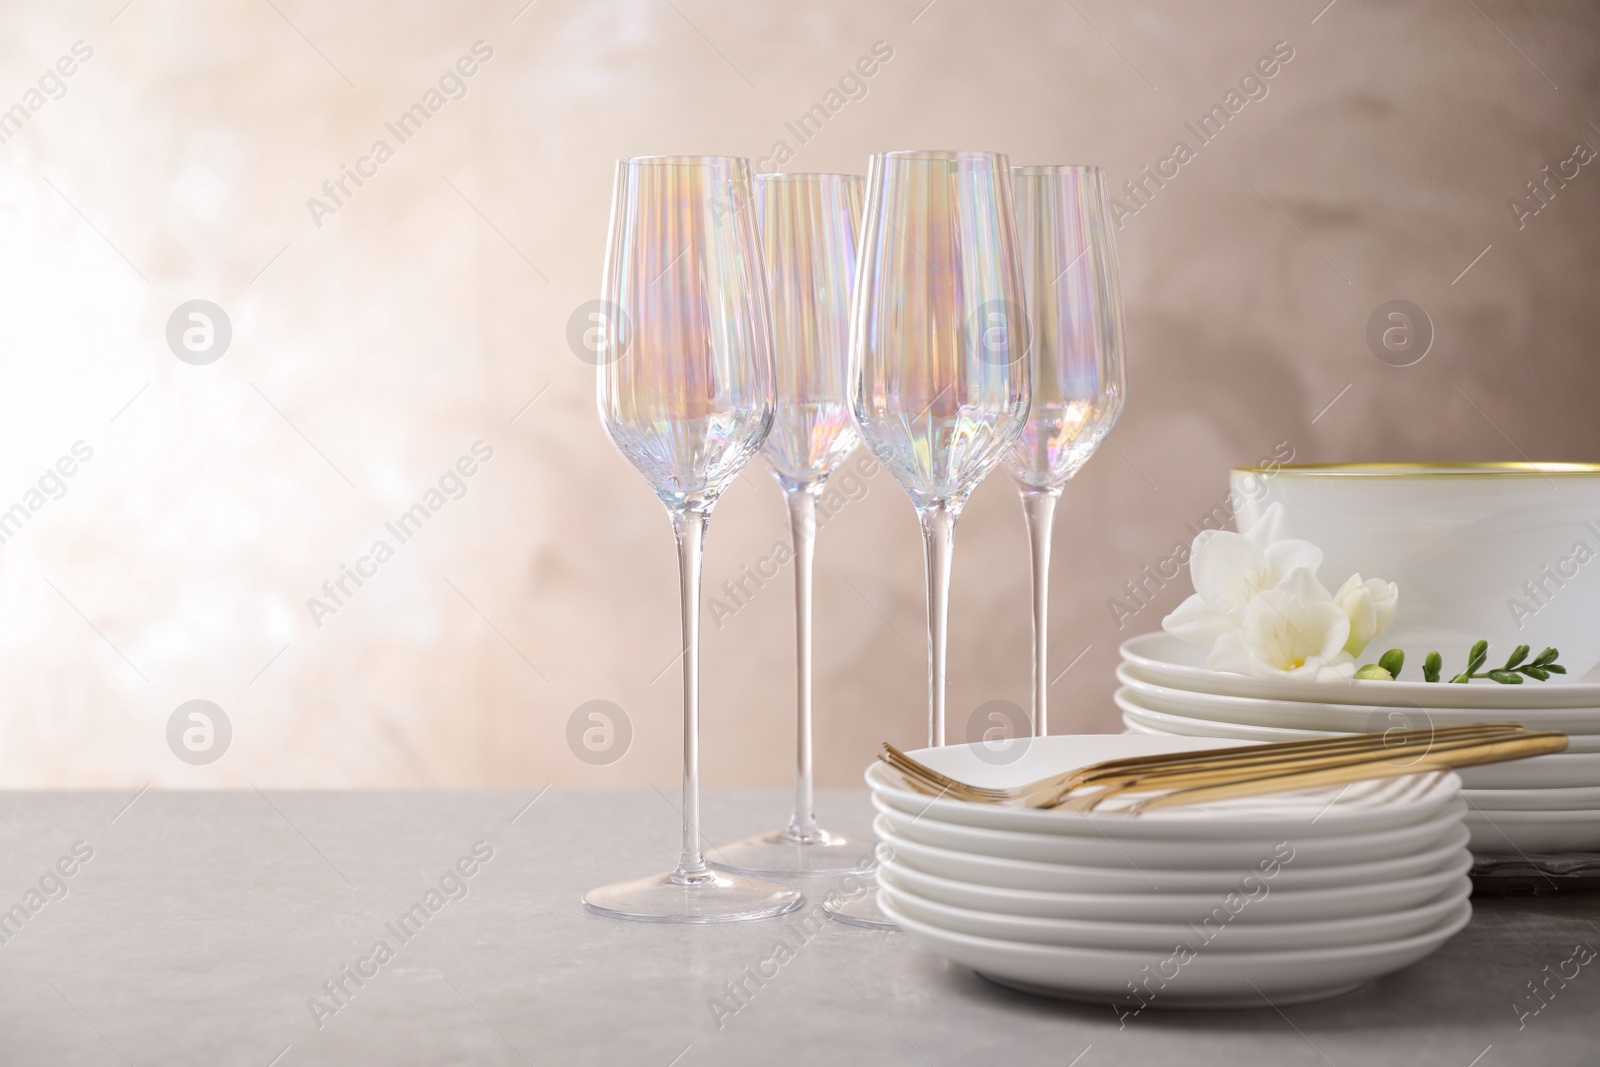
1284	630
1227	568
1199	622
1355	600
1270	527
1340	669
1302	585
1230	654
1285	557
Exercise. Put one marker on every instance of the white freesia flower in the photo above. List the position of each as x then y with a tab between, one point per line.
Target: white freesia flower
1294	630
1370	607
1230	569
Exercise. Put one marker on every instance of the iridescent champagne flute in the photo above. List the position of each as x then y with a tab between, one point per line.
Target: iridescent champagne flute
686	394
938	364
1069	272
808	226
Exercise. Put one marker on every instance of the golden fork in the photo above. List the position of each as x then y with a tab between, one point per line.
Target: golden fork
1277	766
1109	771
1489	750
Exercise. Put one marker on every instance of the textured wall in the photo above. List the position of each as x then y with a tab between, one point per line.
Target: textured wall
377	337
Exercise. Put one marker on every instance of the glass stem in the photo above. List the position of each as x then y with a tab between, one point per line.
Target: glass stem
1039	511
802	501
938	538
690	526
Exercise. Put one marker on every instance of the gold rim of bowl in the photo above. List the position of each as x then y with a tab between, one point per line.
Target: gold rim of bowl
1421	470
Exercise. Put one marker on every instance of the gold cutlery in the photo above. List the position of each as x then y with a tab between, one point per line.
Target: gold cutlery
1208	774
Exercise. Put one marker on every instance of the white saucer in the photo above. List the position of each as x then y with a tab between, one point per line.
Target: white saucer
1197	855
1358	807
1161	658
1023	887
1566	769
1220	930
1383	713
1499	832
1274	904
1196	979
1546	800
1132	706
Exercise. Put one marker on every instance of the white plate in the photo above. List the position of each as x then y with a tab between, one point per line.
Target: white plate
1197	855
1558	770
1194	726
1358	807
1579	799
1161	658
1056	888
1141	720
1195	980
1345	718
1284	900
1534	831
1222	930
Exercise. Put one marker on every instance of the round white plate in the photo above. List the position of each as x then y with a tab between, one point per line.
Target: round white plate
1558	770
1533	831
1138	721
1194	726
1220	930
1383	714
1197	855
1580	799
1034	888
1279	900
1355	808
1161	658
1179	978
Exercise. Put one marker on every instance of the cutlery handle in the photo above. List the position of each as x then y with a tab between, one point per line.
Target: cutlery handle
1182	776
1112	772
1519	747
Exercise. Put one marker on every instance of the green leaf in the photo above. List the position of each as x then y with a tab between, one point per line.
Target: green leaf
1430	667
1536	672
1555	668
1518	654
1506	677
1476	658
1392	661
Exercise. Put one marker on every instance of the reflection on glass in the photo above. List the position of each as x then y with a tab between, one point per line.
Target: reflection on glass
686	394
1069	271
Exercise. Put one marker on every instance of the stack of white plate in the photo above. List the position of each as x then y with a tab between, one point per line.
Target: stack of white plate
1539	805
1286	897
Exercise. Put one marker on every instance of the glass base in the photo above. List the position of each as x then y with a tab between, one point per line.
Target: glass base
679	898
784	854
862	911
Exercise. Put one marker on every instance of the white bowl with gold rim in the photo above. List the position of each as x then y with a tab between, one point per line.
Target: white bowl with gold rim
1509	552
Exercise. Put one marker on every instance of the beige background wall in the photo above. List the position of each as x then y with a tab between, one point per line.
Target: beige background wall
430	312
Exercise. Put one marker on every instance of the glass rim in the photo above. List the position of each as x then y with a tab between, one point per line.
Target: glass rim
1423	470
1044	169
683	161
943	155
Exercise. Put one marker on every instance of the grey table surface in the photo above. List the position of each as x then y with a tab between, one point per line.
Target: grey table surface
202	927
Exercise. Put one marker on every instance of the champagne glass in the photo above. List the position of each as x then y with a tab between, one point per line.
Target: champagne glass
686	395
938	358
808	226
1069	273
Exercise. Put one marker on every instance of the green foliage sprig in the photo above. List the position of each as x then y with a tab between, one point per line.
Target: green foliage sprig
1517	666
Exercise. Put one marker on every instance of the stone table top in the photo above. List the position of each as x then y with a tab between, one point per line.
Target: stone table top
205	927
